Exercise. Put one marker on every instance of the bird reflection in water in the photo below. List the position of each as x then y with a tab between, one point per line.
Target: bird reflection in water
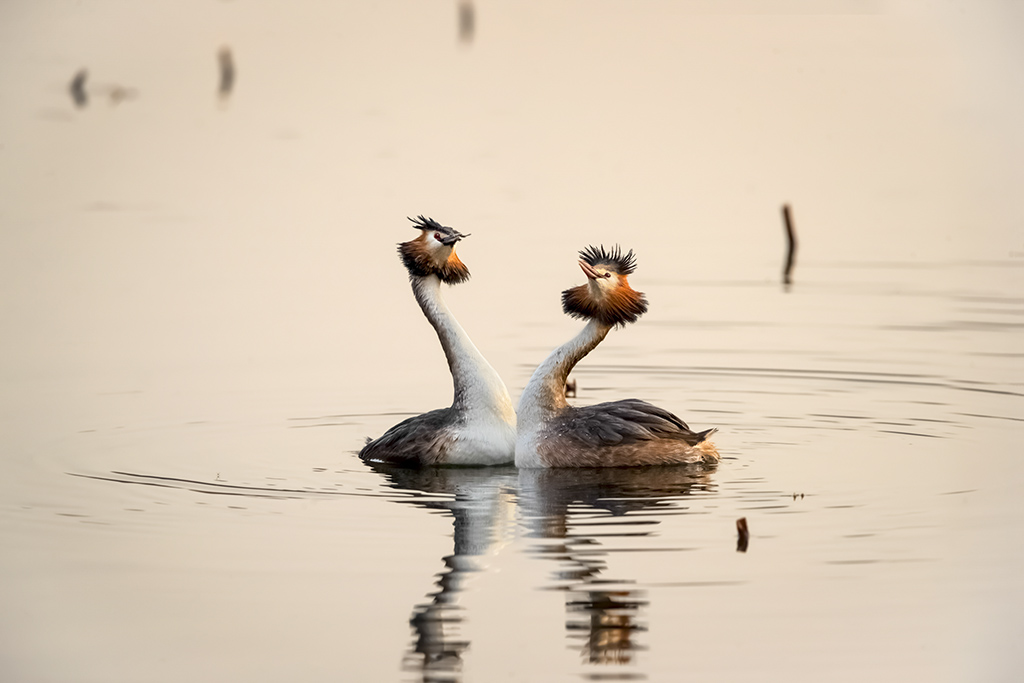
603	615
481	502
608	623
556	507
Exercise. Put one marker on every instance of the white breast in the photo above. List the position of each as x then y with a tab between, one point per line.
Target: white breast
490	442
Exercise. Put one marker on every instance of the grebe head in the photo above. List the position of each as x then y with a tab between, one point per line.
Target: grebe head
607	295
433	252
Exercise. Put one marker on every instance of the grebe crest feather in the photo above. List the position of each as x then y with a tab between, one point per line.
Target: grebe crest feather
433	252
613	259
607	296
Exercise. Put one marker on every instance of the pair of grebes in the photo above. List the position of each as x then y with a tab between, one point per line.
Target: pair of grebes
481	427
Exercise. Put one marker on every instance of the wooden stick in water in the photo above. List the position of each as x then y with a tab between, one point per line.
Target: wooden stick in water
743	535
787	219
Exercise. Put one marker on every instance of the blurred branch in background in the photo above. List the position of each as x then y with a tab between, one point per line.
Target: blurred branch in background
227	73
115	92
467	20
77	89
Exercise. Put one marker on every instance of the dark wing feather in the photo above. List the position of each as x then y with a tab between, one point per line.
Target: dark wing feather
622	423
419	440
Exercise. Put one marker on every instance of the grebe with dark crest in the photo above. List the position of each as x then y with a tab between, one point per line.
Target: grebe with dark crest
480	426
616	434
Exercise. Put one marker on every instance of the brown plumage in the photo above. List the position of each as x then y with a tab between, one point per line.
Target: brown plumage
620	307
627	433
421	262
617	305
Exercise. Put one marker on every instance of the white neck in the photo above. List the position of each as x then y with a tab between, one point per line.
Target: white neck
477	386
544	394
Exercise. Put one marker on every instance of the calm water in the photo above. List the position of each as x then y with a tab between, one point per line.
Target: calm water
204	318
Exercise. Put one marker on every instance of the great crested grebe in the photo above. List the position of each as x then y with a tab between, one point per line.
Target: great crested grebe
616	434
480	426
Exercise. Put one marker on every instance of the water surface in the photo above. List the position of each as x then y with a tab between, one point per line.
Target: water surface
204	318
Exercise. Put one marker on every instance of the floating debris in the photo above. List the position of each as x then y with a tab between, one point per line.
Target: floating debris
743	535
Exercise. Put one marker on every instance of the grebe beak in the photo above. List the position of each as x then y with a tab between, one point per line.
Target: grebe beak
590	272
449	240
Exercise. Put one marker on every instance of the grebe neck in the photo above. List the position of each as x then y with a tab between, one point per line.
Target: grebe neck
545	392
477	385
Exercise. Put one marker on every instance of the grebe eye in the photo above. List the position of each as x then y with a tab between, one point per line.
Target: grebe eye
437	236
607	274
